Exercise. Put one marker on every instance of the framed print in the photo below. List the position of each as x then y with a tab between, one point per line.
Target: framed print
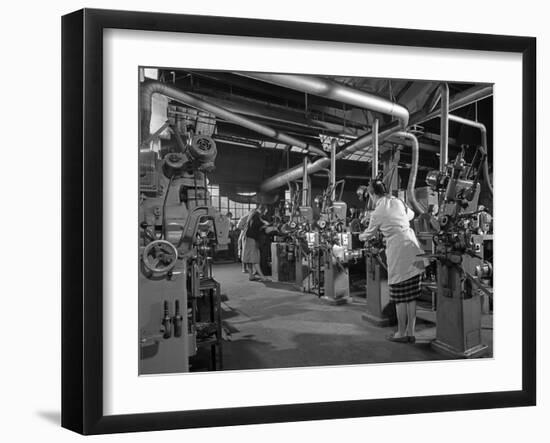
273	221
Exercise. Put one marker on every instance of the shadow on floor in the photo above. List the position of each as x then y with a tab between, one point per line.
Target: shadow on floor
322	350
278	285
54	417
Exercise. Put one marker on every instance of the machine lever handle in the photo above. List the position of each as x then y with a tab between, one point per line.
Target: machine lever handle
177	320
166	322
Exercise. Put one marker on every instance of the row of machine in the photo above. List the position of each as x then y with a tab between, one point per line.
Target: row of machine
314	252
314	245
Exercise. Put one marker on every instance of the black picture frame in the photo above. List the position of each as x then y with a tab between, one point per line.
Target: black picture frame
82	158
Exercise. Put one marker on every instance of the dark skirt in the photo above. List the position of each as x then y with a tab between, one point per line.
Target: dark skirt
407	290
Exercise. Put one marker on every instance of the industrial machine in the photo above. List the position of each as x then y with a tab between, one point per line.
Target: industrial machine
380	311
285	247
317	241
461	245
283	261
179	301
323	255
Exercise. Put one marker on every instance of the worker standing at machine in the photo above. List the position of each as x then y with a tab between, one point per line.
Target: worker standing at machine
251	246
241	226
391	218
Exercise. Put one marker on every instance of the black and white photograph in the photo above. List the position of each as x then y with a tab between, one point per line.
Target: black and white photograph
290	220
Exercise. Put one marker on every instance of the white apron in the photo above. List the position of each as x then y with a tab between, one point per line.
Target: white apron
391	217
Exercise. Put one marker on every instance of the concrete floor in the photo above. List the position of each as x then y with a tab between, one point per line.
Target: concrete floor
272	325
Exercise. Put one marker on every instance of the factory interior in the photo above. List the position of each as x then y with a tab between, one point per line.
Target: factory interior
295	163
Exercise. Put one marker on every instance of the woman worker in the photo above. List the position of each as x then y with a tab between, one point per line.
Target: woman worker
241	226
251	245
391	217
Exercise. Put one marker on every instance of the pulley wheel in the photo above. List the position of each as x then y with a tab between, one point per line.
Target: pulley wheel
173	164
203	148
160	256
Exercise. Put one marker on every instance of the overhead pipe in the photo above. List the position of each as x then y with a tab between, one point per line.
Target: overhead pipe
155	87
335	91
444	125
274	113
292	174
460	100
333	146
374	161
411	196
483	130
305	183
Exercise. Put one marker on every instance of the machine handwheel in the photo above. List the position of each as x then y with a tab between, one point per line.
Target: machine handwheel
160	256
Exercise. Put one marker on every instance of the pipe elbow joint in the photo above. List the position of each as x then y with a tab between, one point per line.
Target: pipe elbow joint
402	115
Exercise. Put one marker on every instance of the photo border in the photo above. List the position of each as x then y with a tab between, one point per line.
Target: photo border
82	220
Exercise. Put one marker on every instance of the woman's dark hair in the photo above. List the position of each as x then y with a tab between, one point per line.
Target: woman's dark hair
254	220
378	187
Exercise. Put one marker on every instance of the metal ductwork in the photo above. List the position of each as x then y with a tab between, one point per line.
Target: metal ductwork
444	128
295	173
411	197
375	146
483	130
333	146
335	91
459	100
305	183
155	87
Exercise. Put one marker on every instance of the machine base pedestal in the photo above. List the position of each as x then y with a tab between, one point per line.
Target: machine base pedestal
335	301
475	352
377	320
380	311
